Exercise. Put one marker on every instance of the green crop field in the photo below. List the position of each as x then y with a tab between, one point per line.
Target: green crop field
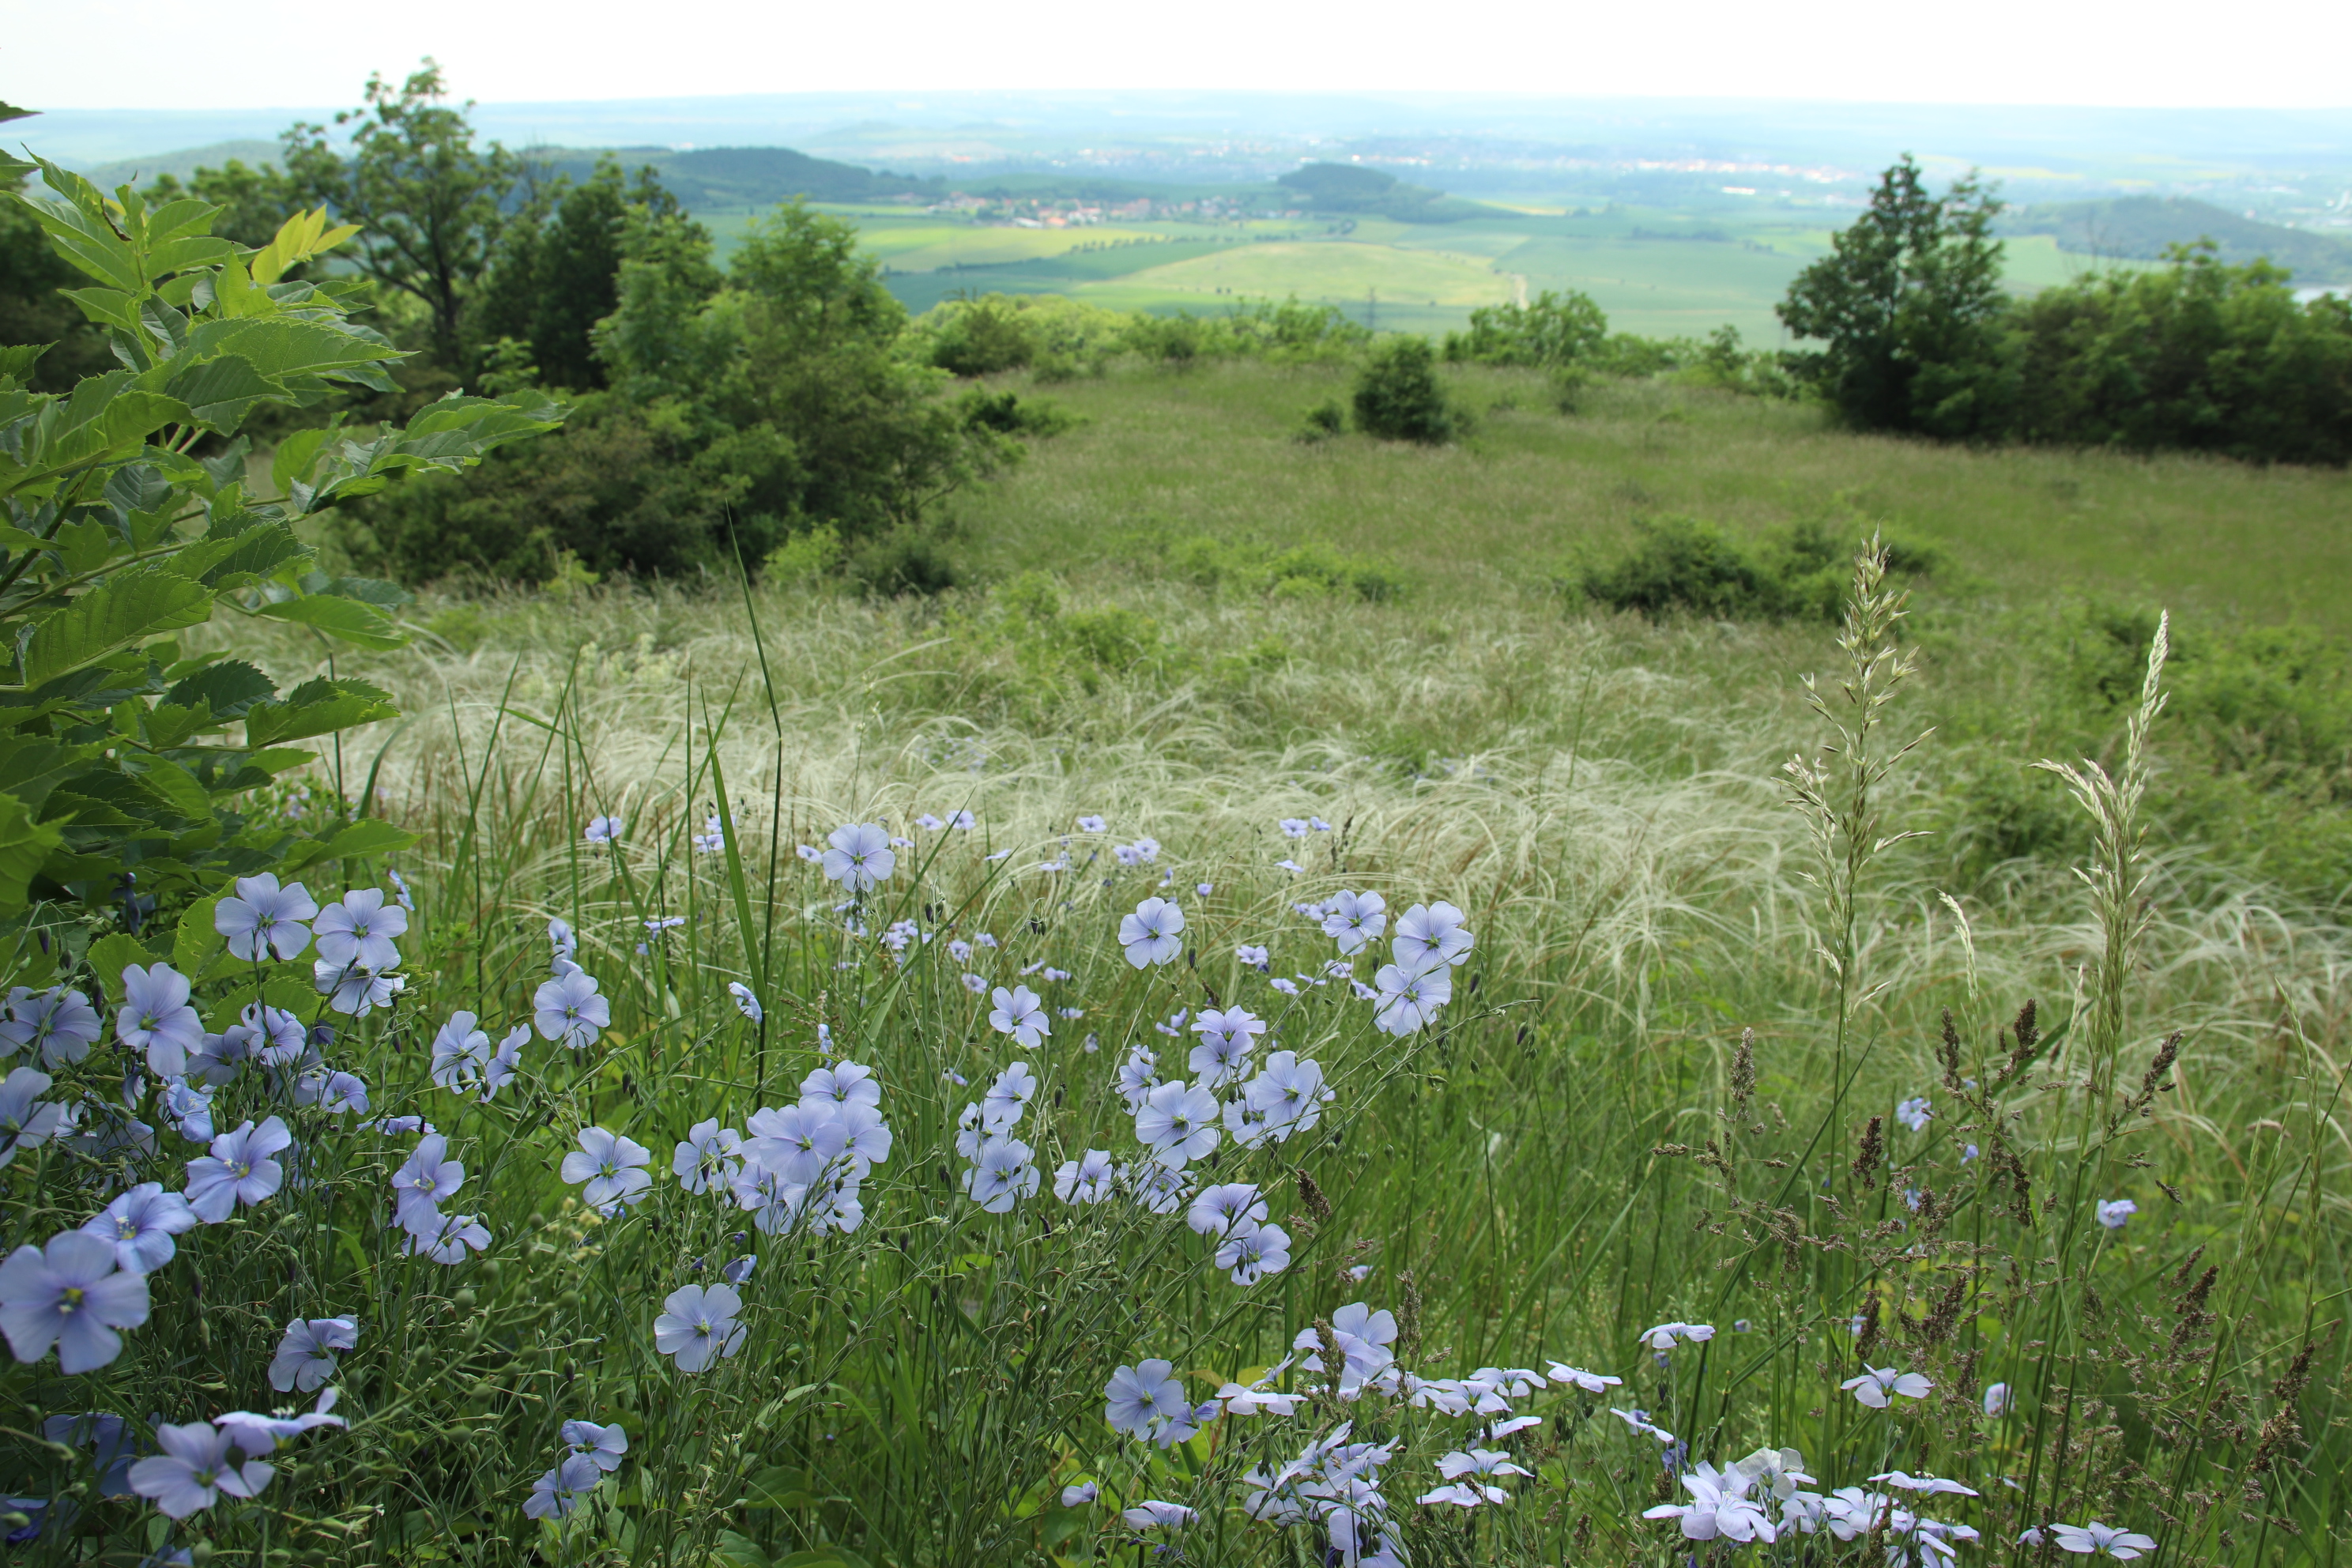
1661	273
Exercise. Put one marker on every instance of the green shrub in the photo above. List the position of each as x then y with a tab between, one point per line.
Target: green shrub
985	338
1309	570
1007	415
1689	566
1556	331
911	558
1398	397
806	557
1325	420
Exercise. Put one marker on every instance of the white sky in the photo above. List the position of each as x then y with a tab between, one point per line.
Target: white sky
243	53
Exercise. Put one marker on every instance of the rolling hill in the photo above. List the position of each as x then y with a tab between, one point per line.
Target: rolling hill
2137	228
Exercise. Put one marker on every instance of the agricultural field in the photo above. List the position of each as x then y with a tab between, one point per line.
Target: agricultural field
1659	272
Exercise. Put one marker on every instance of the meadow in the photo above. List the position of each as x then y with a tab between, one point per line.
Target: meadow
1563	1129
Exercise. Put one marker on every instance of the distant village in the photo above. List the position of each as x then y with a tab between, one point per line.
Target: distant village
1050	211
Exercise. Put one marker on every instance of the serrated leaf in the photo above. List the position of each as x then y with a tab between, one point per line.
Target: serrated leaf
231	686
130	607
220	392
106	419
317	708
285	350
18	360
292	462
25	843
85	546
255	555
177	786
367	590
346	618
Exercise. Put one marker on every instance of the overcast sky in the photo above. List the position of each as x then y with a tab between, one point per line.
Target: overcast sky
239	54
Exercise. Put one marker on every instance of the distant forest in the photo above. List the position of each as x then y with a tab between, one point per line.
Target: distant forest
2138	228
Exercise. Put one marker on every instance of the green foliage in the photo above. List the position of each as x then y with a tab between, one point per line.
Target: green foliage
253	202
807	557
645	490
121	787
1007	415
1325	420
1682	565
1298	571
1910	311
2260	754
431	204
556	270
745	407
2195	356
984	338
35	312
1352	189
1398	397
1556	331
908	558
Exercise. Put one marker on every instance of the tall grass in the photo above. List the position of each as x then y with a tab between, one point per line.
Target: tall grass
1650	1101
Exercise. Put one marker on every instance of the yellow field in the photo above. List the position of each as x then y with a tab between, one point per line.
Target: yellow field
1334	270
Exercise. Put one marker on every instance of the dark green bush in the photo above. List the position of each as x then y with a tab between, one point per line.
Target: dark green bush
1398	397
911	558
2196	356
1682	565
744	407
634	490
1006	414
1325	420
985	338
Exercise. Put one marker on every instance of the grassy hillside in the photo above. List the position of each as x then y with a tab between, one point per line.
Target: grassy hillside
1209	451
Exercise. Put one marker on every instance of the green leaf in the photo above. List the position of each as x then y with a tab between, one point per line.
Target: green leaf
256	555
18	360
196	940
367	590
109	308
445	436
346	618
25	843
81	231
130	607
288	351
106	419
170	781
292	460
735	1550
360	841
318	707
84	547
231	686
220	392
110	955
